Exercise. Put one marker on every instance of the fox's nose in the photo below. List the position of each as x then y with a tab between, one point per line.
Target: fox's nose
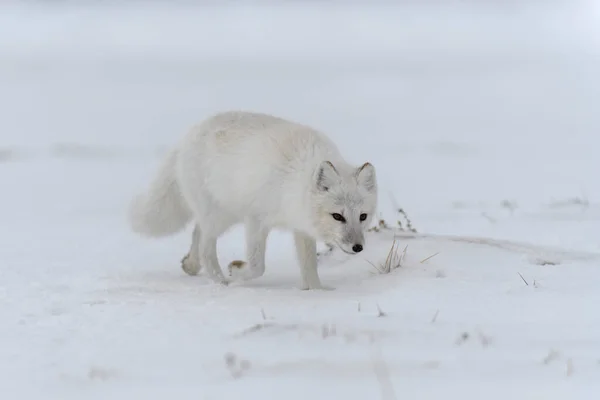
357	248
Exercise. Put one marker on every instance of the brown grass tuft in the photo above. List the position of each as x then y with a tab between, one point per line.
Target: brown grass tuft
393	260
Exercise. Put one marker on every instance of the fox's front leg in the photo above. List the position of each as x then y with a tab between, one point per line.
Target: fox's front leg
306	249
256	246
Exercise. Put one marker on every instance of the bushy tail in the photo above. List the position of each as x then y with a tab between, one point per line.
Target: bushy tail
162	210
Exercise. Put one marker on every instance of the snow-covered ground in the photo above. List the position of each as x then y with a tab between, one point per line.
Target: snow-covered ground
483	122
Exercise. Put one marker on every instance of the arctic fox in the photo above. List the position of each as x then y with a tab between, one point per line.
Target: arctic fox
268	173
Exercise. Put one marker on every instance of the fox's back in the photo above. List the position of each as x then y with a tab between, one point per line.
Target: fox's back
250	160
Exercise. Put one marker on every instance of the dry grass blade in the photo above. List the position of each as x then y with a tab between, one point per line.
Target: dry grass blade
408	222
378	269
381	225
526	283
401	211
391	255
256	328
402	256
393	260
437	312
430	257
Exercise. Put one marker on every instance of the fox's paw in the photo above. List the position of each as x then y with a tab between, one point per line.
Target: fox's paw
325	288
243	271
189	266
222	281
306	286
239	270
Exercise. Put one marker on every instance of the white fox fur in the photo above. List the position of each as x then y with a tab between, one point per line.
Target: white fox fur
268	173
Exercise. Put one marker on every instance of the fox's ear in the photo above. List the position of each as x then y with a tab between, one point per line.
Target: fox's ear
366	177
327	176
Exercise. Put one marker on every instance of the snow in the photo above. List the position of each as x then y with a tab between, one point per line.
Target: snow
482	121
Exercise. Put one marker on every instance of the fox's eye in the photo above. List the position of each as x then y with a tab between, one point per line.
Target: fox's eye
338	217
363	217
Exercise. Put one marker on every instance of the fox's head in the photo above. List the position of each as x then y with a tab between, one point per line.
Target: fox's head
344	203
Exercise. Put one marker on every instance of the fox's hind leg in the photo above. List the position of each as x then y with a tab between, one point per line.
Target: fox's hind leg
191	262
208	258
256	246
211	222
